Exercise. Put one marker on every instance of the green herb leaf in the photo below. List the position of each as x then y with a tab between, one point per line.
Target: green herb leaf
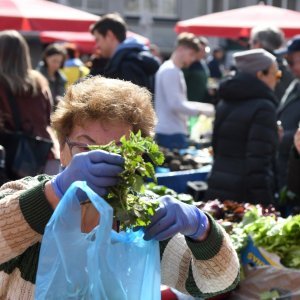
131	206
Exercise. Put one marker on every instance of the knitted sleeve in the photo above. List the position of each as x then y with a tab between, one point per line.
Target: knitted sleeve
24	213
200	269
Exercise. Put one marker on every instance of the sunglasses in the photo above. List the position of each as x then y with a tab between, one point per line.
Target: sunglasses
278	74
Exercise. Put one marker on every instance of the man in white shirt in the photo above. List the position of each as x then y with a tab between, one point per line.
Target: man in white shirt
171	104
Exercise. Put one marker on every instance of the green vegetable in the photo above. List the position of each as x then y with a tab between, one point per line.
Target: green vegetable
162	190
131	206
281	236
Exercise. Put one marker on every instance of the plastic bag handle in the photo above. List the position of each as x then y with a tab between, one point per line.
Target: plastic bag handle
69	204
104	209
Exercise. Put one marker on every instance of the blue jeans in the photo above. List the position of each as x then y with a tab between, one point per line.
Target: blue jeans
172	141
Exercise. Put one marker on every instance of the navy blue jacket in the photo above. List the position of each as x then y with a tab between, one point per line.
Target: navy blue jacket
288	113
133	62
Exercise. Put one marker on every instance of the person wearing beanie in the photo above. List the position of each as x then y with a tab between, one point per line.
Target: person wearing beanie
245	132
252	61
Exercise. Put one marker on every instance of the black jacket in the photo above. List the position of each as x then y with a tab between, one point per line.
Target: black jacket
244	142
293	178
289	114
133	62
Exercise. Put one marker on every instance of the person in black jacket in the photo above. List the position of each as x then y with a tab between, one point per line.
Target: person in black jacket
290	196
130	59
288	112
293	178
245	131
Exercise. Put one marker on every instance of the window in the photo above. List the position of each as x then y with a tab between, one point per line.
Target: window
157	8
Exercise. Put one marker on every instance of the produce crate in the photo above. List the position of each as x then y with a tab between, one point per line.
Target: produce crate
178	180
258	256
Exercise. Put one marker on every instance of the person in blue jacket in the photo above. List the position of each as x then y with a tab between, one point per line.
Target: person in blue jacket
129	59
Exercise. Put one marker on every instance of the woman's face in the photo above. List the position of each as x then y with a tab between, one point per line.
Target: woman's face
54	62
272	77
93	133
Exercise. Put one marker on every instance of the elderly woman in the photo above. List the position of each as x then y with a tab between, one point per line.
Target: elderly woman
97	111
245	133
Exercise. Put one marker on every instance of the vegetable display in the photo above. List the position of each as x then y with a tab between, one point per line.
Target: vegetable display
280	236
177	160
132	205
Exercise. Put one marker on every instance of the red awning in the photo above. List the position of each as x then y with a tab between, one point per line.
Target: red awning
84	40
53	21
237	23
38	15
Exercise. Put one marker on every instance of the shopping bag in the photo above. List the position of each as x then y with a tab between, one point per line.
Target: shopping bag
102	264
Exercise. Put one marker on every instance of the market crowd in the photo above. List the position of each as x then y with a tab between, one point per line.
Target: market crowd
255	140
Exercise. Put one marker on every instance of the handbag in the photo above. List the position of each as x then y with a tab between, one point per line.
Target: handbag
102	264
26	155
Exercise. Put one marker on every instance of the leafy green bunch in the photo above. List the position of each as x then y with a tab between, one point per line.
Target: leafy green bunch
279	236
132	207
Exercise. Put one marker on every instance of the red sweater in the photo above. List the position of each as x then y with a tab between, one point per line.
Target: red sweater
34	113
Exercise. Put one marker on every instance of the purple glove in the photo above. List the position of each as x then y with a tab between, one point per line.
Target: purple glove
173	216
98	168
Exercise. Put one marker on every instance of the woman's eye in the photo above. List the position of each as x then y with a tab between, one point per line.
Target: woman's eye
84	149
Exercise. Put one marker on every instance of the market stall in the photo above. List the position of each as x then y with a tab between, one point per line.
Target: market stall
237	23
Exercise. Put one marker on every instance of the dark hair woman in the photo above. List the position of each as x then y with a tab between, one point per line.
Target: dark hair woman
26	88
53	60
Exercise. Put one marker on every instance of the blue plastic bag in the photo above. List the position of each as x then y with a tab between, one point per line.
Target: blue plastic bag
102	264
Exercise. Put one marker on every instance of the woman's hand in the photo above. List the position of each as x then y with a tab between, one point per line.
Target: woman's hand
172	217
98	168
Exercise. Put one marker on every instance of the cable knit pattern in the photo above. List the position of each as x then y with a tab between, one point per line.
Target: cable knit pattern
209	276
19	289
19	242
218	273
15	233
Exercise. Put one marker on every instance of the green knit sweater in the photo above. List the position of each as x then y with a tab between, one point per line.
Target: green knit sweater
200	269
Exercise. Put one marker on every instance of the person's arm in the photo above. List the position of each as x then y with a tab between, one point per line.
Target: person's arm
260	150
24	213
176	98
199	259
200	268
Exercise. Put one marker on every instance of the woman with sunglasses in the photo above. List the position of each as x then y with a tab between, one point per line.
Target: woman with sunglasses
98	111
245	131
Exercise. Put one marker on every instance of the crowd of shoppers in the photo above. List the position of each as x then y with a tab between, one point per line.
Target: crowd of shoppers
253	159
